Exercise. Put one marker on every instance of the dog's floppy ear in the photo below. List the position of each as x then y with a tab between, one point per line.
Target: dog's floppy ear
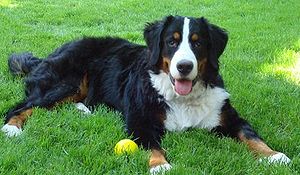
153	34
217	42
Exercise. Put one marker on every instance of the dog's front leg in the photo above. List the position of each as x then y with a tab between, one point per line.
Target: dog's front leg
234	126
158	162
147	131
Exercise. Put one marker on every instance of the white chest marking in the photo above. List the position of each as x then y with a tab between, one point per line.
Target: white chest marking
199	109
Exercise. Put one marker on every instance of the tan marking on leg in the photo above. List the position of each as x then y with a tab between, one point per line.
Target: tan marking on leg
81	94
83	90
20	119
258	147
157	158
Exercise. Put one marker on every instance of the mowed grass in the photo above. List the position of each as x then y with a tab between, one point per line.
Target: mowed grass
261	69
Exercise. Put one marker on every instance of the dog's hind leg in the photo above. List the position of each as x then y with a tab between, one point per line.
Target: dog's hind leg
17	116
14	123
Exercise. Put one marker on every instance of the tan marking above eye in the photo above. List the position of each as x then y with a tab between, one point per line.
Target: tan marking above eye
176	35
195	37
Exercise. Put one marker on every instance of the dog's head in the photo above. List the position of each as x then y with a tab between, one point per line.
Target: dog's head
187	49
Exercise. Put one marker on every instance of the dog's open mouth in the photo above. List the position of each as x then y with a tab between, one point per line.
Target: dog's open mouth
182	86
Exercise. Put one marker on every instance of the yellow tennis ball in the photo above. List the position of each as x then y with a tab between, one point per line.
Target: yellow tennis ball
125	146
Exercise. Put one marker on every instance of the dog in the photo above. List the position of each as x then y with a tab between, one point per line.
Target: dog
172	83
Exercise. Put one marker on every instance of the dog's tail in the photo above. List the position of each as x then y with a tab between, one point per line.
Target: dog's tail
22	64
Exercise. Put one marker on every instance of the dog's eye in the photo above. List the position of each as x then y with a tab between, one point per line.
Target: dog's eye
173	43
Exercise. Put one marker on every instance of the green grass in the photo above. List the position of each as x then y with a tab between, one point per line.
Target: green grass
261	68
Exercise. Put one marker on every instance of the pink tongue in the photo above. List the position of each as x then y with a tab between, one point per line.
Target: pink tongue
183	87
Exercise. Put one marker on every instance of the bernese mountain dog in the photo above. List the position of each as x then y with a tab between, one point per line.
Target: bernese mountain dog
172	83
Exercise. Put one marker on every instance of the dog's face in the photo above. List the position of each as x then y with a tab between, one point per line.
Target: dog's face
187	49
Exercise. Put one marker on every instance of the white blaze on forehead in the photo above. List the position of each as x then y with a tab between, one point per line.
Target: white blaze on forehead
184	52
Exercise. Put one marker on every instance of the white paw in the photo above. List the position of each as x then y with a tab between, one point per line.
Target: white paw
82	108
11	130
160	169
279	158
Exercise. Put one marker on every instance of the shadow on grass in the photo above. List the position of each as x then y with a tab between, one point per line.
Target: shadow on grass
270	99
283	100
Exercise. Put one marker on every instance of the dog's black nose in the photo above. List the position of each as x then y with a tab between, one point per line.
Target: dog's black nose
184	67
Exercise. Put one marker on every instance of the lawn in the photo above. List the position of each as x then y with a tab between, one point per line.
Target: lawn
261	69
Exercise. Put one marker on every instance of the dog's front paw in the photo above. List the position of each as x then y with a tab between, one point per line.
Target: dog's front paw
11	130
278	158
160	169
